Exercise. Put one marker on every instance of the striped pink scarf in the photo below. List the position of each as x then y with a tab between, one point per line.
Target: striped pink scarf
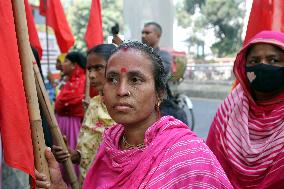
174	157
247	137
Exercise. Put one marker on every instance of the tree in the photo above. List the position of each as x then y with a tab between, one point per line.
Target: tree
78	16
192	5
224	16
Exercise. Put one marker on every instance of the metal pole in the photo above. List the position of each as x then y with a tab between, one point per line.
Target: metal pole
46	35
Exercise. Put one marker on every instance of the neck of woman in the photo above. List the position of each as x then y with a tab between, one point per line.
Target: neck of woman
134	134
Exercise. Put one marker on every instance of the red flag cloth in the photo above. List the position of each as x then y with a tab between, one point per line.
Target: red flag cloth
56	19
14	119
265	15
94	32
33	35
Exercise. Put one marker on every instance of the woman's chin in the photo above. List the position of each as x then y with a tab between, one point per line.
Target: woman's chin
122	119
96	85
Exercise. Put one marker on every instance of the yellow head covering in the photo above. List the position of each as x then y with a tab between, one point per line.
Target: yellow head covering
61	57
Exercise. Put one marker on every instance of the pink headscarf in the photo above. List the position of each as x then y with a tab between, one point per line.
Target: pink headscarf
247	136
173	158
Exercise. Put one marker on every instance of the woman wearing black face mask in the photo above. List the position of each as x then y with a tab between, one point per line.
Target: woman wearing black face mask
247	134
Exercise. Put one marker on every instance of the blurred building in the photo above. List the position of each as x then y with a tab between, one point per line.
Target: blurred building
138	12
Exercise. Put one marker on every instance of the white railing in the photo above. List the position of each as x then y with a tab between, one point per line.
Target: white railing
210	72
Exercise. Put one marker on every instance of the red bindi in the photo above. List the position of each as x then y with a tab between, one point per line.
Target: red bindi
123	70
125	49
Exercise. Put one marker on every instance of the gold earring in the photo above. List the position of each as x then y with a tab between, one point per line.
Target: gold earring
157	105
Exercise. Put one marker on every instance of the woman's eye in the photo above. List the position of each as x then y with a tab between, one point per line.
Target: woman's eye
253	62
274	60
112	80
100	68
136	80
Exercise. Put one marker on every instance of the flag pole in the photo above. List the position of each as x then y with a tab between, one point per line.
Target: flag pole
53	124
46	36
30	87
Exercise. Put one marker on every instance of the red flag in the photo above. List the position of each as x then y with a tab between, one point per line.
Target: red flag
265	15
14	119
54	13
33	35
94	32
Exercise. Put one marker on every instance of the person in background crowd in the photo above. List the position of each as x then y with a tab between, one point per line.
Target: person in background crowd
68	105
57	84
151	35
96	118
247	133
143	150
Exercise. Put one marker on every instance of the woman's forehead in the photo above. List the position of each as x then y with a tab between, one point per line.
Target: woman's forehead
263	48
93	58
126	60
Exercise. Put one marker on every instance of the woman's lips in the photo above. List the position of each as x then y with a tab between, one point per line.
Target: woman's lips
122	107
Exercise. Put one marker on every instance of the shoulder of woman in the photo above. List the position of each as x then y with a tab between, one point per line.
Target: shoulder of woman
192	159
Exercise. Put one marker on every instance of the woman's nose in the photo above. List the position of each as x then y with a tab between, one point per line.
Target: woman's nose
264	61
92	75
122	89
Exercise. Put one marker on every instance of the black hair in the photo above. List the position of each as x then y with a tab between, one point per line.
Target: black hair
37	59
103	50
159	72
77	57
158	27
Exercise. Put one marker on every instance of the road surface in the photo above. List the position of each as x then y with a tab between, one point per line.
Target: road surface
204	111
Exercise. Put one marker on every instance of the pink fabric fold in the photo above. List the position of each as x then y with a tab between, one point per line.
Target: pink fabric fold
247	136
173	157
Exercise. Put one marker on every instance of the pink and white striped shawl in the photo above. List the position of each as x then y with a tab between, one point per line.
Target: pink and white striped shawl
247	137
174	157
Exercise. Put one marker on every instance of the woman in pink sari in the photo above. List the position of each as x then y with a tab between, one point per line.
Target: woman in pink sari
247	134
144	150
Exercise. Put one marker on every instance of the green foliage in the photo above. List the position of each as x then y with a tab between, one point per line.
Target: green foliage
192	5
112	12
183	17
78	17
185	10
224	16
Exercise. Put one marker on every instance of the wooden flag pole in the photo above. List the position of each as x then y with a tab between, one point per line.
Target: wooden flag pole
53	125
30	87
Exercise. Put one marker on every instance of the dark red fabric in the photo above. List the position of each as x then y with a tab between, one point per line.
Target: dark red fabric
14	118
265	15
69	100
42	7
93	92
94	32
33	35
56	19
